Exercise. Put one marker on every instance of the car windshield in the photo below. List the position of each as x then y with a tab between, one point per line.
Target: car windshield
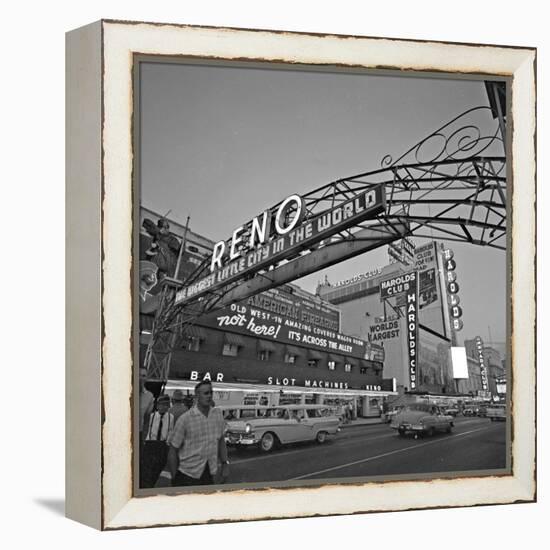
419	407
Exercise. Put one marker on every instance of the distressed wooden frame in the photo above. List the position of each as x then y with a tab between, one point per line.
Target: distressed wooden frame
99	273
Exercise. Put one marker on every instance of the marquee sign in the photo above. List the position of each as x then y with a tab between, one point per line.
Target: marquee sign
296	381
269	243
411	320
359	277
482	364
455	310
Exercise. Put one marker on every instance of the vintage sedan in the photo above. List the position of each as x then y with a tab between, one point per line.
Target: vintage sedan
283	424
422	419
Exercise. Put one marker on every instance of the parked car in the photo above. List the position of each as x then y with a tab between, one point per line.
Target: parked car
452	411
422	419
469	411
283	424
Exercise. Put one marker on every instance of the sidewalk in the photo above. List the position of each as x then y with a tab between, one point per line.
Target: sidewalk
362	422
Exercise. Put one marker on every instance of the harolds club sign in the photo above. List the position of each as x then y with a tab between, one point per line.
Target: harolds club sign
406	285
279	235
301	324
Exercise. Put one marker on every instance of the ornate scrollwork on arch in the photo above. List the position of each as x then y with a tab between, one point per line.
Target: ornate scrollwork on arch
470	134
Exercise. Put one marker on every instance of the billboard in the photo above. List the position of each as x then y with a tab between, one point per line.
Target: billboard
460	363
298	308
304	327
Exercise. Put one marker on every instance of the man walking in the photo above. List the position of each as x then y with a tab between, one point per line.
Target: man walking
155	448
197	454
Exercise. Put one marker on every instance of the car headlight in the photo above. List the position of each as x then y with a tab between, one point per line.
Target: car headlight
247	428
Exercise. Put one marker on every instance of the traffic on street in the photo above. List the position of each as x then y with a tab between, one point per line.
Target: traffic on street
475	444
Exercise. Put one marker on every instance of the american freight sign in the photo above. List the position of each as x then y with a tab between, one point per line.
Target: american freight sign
283	244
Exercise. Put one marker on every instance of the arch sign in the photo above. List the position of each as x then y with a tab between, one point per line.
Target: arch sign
280	234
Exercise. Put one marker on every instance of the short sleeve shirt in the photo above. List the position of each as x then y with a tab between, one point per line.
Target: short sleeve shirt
196	437
146	402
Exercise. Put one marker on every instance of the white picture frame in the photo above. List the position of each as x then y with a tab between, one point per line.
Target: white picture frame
99	277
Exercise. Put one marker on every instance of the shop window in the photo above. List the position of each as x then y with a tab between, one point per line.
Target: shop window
289	358
193	344
363	370
263	355
347	367
331	365
230	349
312	362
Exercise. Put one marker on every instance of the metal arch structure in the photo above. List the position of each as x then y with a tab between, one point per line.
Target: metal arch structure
450	186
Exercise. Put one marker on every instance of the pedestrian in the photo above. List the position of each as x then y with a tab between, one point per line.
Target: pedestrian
197	454
146	403
155	449
178	404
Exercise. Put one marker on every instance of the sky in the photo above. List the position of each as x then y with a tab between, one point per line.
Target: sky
222	144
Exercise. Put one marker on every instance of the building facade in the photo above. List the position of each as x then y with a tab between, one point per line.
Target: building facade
377	306
282	345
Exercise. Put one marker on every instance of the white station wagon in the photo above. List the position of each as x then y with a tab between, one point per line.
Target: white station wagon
283	424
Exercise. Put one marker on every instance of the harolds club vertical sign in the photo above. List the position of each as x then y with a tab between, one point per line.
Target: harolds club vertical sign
411	317
397	287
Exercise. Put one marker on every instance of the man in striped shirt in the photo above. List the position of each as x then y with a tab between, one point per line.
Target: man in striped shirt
197	454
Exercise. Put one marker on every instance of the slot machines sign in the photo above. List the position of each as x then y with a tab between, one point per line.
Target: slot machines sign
455	311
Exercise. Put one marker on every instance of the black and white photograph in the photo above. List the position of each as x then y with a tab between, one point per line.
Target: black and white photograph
274	274
321	275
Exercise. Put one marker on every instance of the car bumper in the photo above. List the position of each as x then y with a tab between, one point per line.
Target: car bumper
411	428
241	439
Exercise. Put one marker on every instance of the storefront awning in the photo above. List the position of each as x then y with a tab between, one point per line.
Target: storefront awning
265	345
291	350
335	358
234	339
352	361
365	364
312	354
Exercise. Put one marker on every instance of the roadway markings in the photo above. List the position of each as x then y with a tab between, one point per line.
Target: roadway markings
340	441
371	458
335	443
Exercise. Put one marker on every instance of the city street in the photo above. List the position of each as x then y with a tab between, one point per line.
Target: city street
377	450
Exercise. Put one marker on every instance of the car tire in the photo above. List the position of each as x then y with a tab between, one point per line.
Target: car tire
321	437
431	432
449	429
268	442
401	432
